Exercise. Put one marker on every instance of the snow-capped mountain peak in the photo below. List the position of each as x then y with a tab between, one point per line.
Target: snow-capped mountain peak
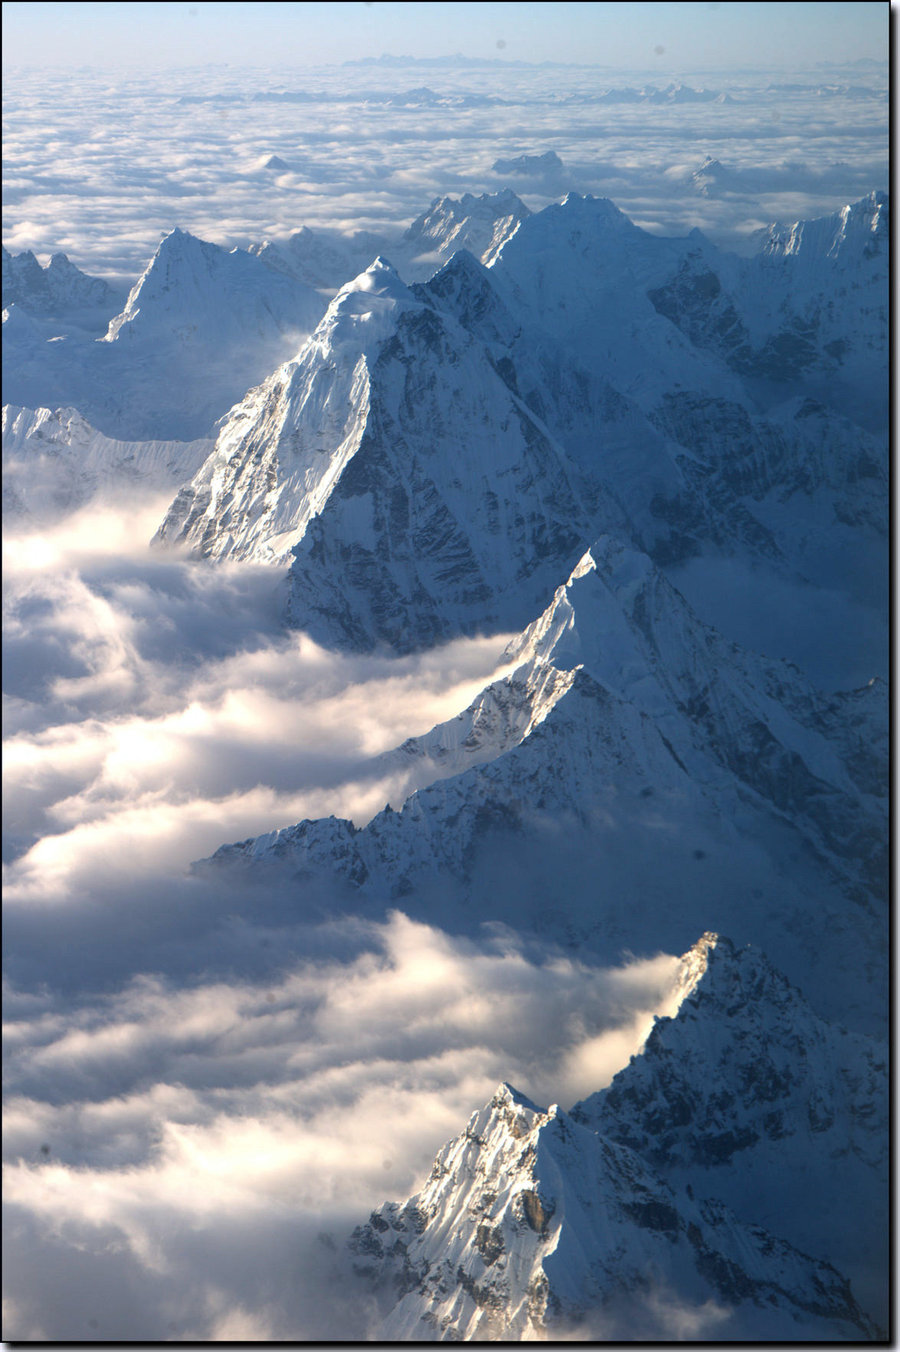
481	224
364	310
59	290
380	278
532	1225
397	463
748	1093
200	292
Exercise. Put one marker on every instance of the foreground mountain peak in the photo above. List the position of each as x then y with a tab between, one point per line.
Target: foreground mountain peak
747	1092
537	1223
532	1225
507	1096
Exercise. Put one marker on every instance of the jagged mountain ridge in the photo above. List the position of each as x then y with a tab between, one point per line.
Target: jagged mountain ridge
775	453
535	1223
199	328
59	290
684	783
671	760
809	307
328	258
748	1095
479	224
219	320
652	470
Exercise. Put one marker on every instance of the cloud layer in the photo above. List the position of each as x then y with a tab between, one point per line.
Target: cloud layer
205	1094
118	162
155	708
159	1131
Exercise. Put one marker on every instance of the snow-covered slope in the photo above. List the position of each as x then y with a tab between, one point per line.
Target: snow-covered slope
617	448
671	779
503	715
199	328
794	497
539	1223
580	272
809	308
419	496
55	462
287	458
533	1227
747	1095
861	227
199	294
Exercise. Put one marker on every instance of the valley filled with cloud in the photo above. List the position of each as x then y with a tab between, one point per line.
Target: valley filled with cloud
186	1054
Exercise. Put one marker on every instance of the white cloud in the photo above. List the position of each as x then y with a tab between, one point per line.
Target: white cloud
107	198
163	1127
156	709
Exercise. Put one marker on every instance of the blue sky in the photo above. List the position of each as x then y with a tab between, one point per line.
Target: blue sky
642	36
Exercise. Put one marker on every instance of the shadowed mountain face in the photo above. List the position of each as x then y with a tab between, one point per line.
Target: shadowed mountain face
536	1223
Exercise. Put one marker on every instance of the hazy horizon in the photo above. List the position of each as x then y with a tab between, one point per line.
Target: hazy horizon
641	37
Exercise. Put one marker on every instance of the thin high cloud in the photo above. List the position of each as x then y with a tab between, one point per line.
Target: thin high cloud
154	1132
107	197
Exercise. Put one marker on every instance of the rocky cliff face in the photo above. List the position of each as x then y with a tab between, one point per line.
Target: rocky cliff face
747	1094
539	1223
